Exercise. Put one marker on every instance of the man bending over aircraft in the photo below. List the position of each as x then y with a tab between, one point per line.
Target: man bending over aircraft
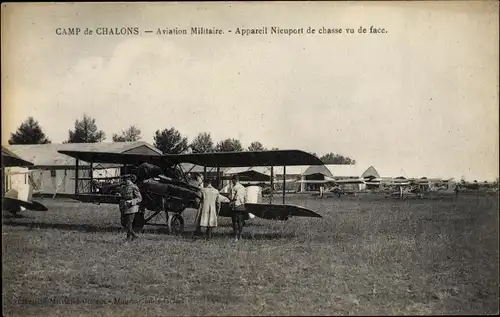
238	195
129	204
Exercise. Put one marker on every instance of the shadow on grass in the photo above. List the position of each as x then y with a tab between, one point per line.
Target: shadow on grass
188	233
80	227
245	236
63	226
247	224
9	215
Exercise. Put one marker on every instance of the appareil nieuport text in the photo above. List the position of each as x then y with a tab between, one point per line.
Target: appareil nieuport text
265	30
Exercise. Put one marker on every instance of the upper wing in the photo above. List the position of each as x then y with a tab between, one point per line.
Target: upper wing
244	159
219	159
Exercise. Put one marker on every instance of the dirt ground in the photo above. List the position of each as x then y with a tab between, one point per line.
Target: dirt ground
368	255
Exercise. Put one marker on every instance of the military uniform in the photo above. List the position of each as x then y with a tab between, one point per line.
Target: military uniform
238	199
129	205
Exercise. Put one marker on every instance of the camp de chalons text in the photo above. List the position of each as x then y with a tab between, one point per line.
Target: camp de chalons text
193	31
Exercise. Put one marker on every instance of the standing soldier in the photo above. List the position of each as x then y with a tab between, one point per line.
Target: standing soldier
129	204
238	199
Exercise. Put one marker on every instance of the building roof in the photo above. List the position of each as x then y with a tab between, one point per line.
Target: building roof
343	170
11	159
46	155
385	172
258	169
320	169
370	172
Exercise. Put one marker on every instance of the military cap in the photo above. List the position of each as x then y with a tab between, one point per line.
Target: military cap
132	177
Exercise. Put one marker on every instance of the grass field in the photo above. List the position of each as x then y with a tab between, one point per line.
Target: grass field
368	255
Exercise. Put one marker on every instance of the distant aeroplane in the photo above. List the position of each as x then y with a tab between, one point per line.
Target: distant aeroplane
476	186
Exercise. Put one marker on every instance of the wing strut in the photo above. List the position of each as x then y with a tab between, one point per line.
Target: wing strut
76	176
190	169
284	182
91	177
219	186
272	185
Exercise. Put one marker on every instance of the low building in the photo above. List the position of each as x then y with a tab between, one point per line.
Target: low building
313	174
261	175
251	175
54	173
344	172
376	178
293	174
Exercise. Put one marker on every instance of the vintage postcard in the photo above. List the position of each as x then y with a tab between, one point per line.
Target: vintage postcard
250	158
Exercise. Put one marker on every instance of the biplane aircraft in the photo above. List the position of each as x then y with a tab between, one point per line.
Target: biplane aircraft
416	187
469	186
17	198
476	187
165	186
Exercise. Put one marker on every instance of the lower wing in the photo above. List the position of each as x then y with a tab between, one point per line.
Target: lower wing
12	204
272	212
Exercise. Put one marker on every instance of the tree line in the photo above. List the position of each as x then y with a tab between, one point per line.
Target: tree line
167	140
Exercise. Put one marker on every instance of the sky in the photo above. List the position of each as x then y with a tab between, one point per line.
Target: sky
421	98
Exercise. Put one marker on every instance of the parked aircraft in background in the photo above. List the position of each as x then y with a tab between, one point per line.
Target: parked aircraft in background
16	199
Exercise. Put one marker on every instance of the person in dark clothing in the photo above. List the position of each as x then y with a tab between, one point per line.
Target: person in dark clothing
129	204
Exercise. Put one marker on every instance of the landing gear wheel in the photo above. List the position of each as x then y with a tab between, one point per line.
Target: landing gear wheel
176	224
